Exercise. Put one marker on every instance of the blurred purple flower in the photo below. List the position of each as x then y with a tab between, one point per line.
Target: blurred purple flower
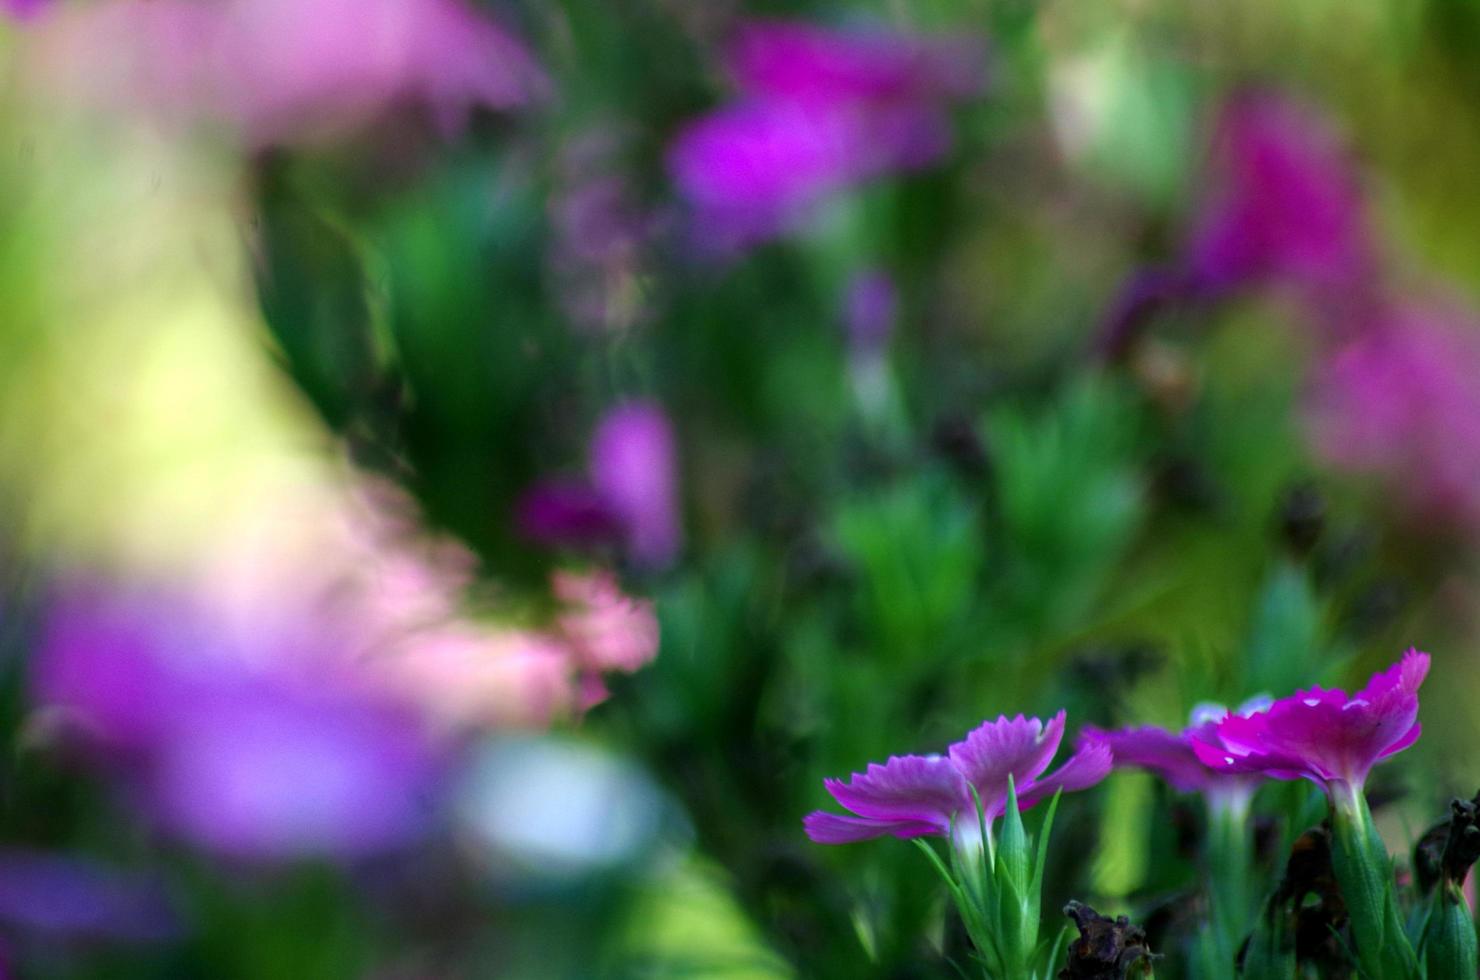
631	496
917	796
871	305
1401	401
1324	736
822	110
55	897
230	749
634	469
1170	755
1285	209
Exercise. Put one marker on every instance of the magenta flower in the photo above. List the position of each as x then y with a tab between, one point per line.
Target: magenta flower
798	61
917	796
1325	736
756	170
1399	402
1170	755
821	111
1286	207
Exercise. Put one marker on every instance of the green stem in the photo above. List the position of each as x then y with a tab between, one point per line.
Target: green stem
1229	859
1360	862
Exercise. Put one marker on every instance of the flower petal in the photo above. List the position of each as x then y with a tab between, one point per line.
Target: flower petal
1158	751
831	828
910	788
1022	747
1090	763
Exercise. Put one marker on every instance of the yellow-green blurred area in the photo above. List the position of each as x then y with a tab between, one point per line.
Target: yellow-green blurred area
219	337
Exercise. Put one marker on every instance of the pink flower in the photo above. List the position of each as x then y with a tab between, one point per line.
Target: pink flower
298	64
466	676
24	9
287	70
1285	208
606	628
1401	401
916	796
1324	736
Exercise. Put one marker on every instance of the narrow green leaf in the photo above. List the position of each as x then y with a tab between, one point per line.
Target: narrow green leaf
1042	851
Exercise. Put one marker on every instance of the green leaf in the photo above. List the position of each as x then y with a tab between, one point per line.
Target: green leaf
1043	835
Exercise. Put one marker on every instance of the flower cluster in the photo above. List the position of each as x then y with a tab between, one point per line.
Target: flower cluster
1326	736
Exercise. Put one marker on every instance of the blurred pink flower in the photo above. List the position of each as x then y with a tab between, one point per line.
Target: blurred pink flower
1285	207
294	64
353	577
1402	401
24	9
465	675
754	170
605	629
283	70
1283	210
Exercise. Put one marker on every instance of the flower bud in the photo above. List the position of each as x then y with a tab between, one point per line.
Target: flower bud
1449	942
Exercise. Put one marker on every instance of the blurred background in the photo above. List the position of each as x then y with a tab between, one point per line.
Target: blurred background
468	470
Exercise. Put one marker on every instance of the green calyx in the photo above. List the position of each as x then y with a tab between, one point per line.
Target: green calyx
997	886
